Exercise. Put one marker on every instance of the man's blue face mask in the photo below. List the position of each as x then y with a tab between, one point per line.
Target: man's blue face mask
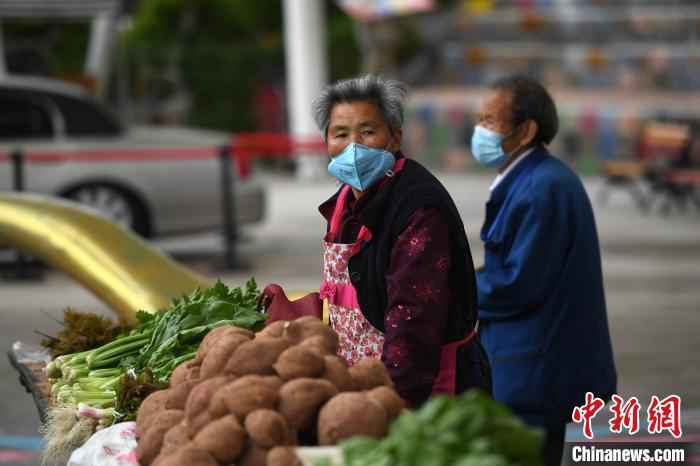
487	147
361	166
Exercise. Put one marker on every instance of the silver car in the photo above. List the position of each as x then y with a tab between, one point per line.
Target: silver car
154	180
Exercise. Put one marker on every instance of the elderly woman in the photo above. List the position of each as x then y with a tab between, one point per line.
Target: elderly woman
398	273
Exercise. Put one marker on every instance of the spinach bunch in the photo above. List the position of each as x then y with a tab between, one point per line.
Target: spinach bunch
178	331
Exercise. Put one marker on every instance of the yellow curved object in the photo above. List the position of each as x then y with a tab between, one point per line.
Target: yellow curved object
120	268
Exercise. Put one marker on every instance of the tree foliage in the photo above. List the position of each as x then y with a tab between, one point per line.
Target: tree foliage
224	47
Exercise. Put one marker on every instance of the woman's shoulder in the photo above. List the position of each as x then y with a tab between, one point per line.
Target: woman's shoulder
416	177
418	189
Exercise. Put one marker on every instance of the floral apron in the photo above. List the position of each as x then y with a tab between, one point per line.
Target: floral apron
358	338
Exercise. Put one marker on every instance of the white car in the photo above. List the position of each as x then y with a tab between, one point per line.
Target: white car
154	180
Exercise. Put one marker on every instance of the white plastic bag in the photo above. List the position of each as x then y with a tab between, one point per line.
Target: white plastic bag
112	446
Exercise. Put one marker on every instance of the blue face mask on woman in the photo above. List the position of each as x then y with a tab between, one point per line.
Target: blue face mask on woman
487	147
361	166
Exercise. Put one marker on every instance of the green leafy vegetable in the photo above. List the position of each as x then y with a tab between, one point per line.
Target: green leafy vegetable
178	331
469	430
118	375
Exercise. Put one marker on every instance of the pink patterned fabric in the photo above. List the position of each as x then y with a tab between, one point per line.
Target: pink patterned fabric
358	338
335	263
340	295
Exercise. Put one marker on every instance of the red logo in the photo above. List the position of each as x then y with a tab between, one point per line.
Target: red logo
624	415
665	415
587	412
662	415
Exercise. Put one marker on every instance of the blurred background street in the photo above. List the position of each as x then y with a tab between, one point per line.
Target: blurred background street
134	107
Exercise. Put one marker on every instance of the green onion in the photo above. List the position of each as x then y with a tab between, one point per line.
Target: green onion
100	373
106	357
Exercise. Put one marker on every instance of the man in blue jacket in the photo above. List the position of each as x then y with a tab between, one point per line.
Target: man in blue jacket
541	300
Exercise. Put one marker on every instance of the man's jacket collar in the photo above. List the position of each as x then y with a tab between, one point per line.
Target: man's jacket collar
500	192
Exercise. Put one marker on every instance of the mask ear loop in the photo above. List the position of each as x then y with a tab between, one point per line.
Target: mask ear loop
506	137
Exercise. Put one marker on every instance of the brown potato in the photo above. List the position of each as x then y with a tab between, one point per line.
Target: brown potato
256	356
233	330
188	370
253	456
349	414
268	428
296	362
176	437
300	400
219	354
311	327
201	395
282	456
150	443
188	455
150	406
223	438
245	395
320	344
160	459
195	373
208	342
392	403
274	330
273	382
242	331
178	395
168	418
336	372
217	406
178	375
289	330
214	334
168	449
293	332
197	422
369	373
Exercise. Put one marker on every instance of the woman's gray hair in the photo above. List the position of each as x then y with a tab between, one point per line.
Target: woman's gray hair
387	94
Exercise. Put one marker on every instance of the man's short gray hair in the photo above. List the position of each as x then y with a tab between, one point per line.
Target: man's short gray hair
387	94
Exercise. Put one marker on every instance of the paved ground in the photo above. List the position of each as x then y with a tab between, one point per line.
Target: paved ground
651	266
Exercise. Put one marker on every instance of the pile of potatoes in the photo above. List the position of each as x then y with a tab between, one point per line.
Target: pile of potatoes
248	399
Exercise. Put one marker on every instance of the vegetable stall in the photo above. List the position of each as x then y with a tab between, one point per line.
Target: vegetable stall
196	377
208	384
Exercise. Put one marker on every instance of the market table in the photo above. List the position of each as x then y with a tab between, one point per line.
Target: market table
30	364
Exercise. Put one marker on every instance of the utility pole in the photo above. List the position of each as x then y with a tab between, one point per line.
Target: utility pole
100	47
307	73
3	70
